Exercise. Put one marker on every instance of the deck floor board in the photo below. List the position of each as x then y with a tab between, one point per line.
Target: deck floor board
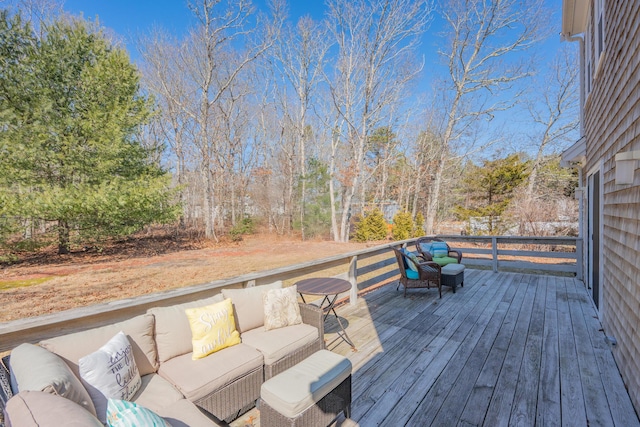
506	349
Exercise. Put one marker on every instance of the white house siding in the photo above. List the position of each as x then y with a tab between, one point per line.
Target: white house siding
612	125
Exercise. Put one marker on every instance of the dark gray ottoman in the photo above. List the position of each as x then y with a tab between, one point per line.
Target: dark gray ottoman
452	275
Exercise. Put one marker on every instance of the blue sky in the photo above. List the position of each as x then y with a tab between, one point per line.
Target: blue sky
131	18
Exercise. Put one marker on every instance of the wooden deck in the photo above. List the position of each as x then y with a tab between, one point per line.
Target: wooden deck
507	349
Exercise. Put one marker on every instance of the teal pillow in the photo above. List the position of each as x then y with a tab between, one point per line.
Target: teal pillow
122	413
439	249
412	259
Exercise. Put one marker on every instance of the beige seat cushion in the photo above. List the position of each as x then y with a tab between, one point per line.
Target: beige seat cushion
173	333
37	369
298	388
277	343
183	413
198	378
40	409
156	393
248	306
139	331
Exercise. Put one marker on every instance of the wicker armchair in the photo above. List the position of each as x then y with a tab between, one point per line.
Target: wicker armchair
452	253
428	274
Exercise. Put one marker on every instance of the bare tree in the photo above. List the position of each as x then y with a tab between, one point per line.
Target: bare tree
38	13
207	91
301	58
376	41
162	70
553	109
481	38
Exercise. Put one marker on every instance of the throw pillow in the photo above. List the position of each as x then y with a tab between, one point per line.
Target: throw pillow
412	259
37	369
425	247
248	306
281	308
110	372
439	249
121	413
212	328
173	333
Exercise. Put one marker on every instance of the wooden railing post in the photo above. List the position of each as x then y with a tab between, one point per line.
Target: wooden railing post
494	253
579	259
353	278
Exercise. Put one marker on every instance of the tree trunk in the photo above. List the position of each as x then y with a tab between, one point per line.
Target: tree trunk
434	196
63	237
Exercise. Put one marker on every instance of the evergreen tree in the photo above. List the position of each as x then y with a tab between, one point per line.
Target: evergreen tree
317	218
70	110
402	226
372	227
418	230
490	189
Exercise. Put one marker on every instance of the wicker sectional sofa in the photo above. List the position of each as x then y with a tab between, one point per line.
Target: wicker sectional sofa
185	392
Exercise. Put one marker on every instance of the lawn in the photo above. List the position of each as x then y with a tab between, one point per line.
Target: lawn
47	283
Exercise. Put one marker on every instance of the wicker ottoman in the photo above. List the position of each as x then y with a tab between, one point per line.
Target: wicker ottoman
311	393
452	275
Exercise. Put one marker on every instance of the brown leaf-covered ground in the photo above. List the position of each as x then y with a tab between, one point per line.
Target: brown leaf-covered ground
46	282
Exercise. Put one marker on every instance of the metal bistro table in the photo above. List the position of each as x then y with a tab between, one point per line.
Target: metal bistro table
329	288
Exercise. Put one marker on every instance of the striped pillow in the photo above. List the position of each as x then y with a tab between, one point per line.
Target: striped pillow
439	249
121	413
412	260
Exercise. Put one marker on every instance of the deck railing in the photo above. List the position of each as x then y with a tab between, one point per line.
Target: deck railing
364	269
504	253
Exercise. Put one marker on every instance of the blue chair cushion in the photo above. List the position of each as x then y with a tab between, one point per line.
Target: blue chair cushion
412	275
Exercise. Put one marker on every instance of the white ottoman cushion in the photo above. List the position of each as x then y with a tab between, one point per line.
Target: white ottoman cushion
298	388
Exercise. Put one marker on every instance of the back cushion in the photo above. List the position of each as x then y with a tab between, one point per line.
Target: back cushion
38	409
37	369
173	333
248	306
439	249
425	247
139	331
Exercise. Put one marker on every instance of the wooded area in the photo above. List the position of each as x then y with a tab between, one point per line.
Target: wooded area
298	127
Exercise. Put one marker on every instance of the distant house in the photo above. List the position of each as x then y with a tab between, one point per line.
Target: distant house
609	36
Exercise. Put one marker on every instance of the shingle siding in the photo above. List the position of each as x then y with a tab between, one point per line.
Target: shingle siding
611	125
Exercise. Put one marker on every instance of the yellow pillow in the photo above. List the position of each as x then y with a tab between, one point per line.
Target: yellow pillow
212	328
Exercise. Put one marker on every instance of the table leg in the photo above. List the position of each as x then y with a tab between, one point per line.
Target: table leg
330	308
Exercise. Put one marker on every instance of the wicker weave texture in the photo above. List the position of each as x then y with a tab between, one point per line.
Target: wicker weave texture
319	415
293	358
5	386
314	316
226	403
429	275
